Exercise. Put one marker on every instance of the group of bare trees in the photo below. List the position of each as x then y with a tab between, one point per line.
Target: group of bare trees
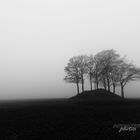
106	69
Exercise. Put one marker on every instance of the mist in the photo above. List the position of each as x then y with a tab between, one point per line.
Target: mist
38	37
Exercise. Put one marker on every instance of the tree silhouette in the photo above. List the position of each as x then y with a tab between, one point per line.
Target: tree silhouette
90	69
97	69
72	72
106	59
105	69
82	68
102	80
115	74
127	72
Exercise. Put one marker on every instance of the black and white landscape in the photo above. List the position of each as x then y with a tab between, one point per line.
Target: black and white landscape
69	70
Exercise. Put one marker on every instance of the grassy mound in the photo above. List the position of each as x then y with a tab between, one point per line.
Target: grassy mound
97	95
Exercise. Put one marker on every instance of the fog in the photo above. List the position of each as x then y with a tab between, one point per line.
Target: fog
38	37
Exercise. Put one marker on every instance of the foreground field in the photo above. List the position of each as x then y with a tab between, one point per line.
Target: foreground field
69	120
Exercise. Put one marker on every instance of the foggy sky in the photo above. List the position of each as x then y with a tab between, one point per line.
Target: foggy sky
38	37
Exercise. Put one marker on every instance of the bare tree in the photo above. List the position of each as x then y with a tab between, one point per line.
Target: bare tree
102	80
90	69
82	68
96	71
106	68
127	73
72	72
115	74
106	60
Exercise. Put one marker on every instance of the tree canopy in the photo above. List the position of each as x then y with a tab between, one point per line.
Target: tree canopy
105	69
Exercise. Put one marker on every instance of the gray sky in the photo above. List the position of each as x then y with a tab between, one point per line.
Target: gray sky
37	38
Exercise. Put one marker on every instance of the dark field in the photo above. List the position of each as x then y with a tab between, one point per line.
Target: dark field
69	119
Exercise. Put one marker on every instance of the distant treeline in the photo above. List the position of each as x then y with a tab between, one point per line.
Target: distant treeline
106	69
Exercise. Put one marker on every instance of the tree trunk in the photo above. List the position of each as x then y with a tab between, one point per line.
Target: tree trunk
105	84
108	81
95	85
90	82
82	83
97	82
114	88
108	84
82	87
109	88
77	88
122	91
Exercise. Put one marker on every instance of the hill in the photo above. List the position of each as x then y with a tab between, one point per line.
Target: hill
99	95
